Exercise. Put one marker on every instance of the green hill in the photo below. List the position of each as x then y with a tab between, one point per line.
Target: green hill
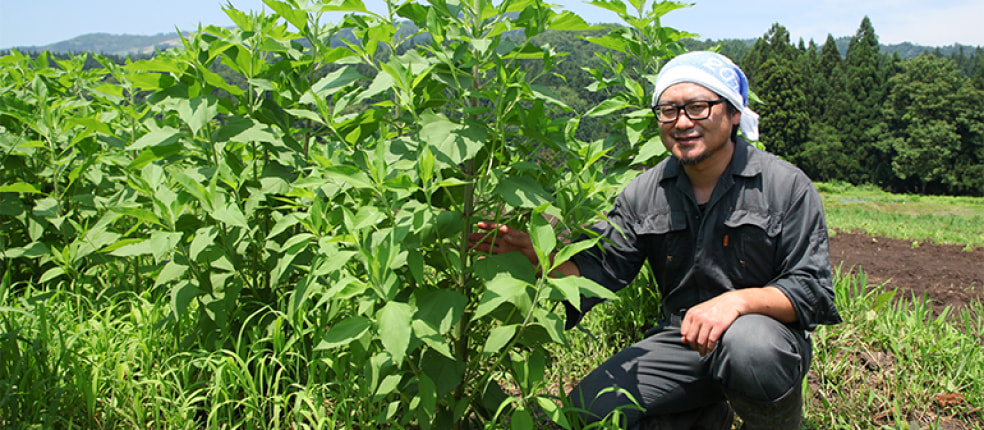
105	43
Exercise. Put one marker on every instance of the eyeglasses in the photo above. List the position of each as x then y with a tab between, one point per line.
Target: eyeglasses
695	110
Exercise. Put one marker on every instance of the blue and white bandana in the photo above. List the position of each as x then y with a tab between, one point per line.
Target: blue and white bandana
716	73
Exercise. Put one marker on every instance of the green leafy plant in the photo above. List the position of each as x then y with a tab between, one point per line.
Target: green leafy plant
300	195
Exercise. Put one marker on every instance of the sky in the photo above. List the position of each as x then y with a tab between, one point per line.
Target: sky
923	22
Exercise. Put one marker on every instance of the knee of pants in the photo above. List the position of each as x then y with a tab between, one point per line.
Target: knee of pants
760	358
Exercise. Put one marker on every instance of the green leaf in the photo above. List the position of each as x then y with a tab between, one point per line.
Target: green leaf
382	82
204	237
52	273
568	21
635	127
156	65
427	392
345	332
19	187
170	272
343	6
163	242
498	338
502	289
591	288
522	192
650	149
429	335
442	309
283	224
569	287
350	175
230	214
368	216
130	248
521	420
568	251
298	18
329	85
388	385
155	153
299	295
514	263
151	81
395	321
161	136
882	300
608	107
197	112
544	239
426	166
181	296
452	142
553	411
138	214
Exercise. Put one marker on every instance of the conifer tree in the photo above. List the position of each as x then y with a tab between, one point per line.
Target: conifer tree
785	116
864	91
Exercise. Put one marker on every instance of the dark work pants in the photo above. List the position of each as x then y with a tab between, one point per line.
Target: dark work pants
758	359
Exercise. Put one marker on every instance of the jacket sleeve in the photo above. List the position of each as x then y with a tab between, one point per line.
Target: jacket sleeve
805	275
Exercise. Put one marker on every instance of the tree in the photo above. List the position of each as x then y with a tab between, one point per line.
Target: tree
864	93
933	123
782	88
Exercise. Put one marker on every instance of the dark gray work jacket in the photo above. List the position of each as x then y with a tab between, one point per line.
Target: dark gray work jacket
763	226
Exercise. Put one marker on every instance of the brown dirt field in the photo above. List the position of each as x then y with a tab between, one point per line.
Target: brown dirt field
947	274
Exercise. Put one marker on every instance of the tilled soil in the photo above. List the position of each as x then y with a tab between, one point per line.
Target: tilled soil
950	275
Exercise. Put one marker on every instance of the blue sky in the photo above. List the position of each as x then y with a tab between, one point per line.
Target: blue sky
925	22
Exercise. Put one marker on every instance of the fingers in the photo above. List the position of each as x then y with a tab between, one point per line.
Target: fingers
516	239
702	334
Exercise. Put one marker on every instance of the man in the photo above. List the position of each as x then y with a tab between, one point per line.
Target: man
738	245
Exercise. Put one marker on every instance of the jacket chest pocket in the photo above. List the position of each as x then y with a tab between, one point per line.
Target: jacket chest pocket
753	251
666	240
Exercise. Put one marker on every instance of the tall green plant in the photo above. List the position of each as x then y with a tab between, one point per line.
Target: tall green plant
630	66
318	182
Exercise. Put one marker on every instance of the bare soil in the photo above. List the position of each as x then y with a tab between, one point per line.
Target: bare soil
949	275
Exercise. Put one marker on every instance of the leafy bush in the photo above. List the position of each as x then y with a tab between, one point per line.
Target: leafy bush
318	202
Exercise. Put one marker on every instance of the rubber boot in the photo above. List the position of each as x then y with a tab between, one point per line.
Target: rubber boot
784	414
716	416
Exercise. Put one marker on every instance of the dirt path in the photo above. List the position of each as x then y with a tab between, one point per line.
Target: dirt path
946	273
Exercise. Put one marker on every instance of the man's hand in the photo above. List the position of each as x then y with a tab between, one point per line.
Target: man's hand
500	239
705	324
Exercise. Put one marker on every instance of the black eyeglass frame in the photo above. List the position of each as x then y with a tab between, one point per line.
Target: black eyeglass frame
683	107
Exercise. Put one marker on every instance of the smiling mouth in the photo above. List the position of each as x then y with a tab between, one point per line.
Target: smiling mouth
686	139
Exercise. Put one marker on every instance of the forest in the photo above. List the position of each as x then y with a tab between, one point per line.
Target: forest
913	125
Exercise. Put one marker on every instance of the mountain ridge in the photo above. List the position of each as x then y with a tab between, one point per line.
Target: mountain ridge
129	44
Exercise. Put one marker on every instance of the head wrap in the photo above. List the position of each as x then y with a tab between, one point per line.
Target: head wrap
716	73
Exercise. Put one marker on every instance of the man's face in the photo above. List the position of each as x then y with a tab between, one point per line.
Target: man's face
692	141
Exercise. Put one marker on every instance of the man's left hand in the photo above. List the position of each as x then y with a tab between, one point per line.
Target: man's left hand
705	324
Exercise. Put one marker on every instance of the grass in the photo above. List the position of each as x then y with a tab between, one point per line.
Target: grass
68	360
941	219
